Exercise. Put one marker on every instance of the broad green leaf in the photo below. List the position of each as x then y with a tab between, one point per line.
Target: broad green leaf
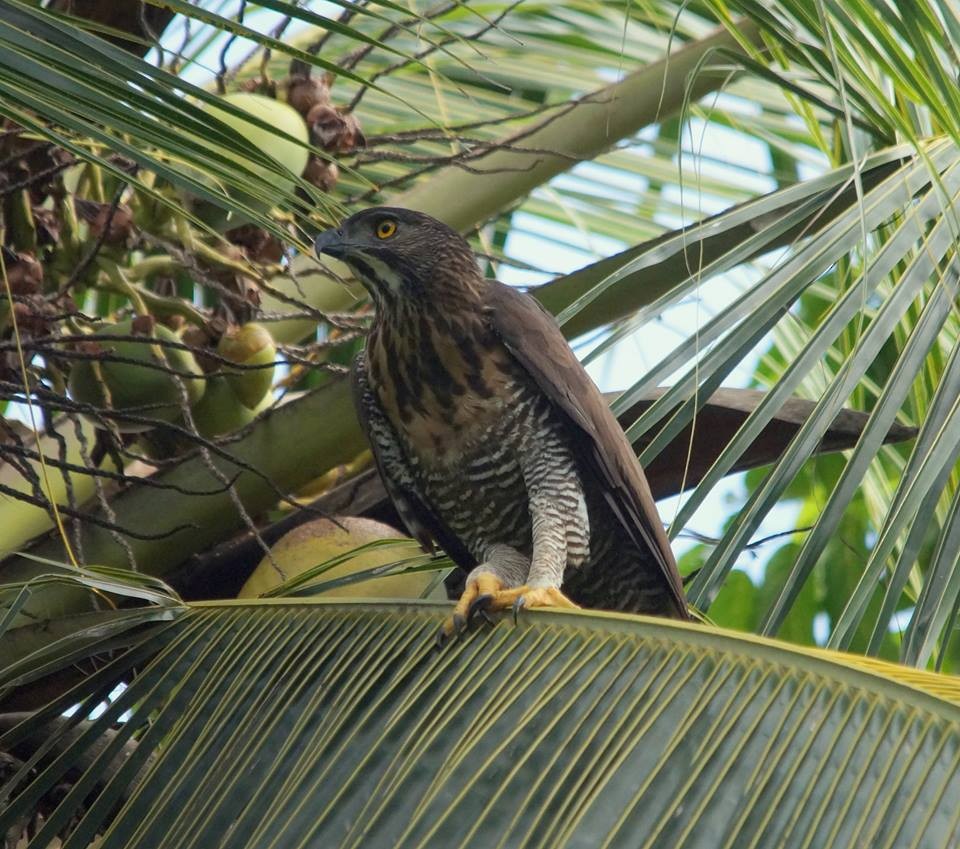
338	724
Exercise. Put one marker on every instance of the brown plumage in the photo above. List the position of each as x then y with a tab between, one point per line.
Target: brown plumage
491	438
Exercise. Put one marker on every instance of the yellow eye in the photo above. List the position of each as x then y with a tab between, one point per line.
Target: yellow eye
386	228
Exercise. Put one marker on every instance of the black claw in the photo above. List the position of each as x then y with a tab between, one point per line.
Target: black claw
479	607
443	638
461	624
517	607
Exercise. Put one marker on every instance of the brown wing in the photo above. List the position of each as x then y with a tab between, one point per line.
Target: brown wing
532	335
398	478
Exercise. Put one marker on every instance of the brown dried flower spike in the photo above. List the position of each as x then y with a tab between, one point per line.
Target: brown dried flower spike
118	222
321	173
24	273
305	92
334	130
258	244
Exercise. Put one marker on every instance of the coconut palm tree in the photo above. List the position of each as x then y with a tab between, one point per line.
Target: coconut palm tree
776	179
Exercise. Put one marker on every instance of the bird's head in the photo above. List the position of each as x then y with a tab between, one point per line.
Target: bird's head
400	255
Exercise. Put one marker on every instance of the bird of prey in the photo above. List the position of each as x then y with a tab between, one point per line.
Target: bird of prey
491	439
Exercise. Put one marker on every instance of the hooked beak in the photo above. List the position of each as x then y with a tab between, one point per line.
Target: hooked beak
330	242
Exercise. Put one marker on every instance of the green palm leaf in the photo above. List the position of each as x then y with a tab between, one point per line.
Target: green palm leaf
319	724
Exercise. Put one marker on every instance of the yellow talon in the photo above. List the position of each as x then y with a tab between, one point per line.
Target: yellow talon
485	585
534	597
487	594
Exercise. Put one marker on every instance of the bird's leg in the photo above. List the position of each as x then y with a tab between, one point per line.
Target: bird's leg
560	531
559	524
542	585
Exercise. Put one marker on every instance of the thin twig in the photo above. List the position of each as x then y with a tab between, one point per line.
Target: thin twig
220	476
181	53
106	417
23	154
300	68
50	428
83	449
423	54
150	33
45	504
222	73
276	34
33	179
7	452
352	59
502	144
27	472
102	499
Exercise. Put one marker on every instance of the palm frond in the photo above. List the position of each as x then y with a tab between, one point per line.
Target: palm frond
340	725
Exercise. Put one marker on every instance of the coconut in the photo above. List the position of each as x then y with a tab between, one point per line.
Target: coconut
320	540
293	157
129	386
220	411
249	345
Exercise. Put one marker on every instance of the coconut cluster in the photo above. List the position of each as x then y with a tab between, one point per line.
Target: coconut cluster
136	375
74	223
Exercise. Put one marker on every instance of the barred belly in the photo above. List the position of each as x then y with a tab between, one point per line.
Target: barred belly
483	499
479	487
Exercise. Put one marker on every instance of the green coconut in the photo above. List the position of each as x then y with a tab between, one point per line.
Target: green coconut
291	156
249	345
221	412
133	388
